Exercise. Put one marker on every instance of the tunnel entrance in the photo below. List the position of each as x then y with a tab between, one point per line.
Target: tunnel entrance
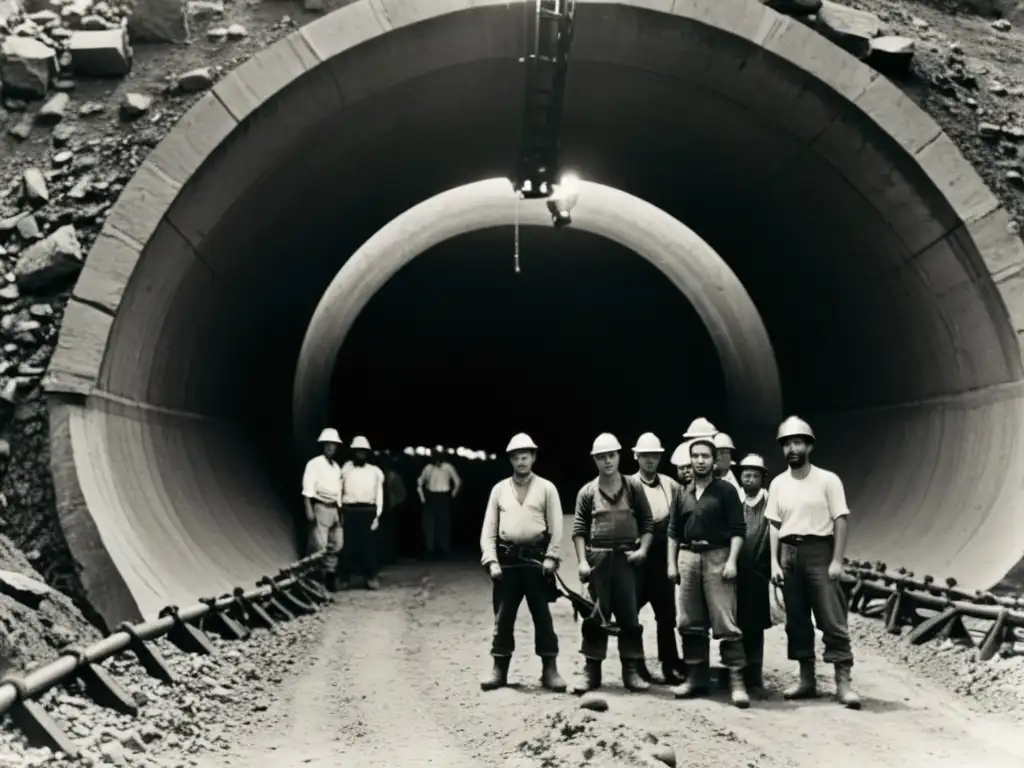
886	273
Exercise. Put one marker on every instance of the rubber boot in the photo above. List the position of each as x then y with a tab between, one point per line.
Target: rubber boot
549	677
698	682
591	676
807	687
844	693
632	680
669	675
499	674
753	677
737	689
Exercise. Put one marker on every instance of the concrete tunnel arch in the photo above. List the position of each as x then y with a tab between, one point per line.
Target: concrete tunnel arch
900	267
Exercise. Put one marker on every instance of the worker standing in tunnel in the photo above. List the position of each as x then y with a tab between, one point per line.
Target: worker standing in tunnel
438	486
521	549
753	581
663	494
706	533
612	533
321	498
362	504
724	463
808	515
684	466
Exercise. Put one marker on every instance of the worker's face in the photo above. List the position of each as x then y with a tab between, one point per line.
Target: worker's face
522	462
330	449
607	463
359	456
685	473
723	459
752	480
702	460
796	451
648	462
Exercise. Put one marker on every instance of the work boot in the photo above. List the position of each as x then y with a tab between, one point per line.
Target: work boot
331	582
632	680
698	682
373	583
643	671
591	676
807	687
549	677
669	675
844	693
753	676
737	689
499	674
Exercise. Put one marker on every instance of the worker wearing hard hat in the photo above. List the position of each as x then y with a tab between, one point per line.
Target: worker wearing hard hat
612	533
724	463
362	504
684	465
706	534
663	493
438	485
321	498
753	582
520	541
808	514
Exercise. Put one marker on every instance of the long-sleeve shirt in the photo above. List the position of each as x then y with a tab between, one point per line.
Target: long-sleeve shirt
321	481
808	506
362	485
716	517
506	519
604	522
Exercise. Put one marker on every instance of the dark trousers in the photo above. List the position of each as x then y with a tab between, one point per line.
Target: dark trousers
437	523
753	646
359	557
808	591
753	608
613	586
659	592
519	581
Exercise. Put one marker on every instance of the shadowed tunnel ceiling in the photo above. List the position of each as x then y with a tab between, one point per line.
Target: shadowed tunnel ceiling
885	272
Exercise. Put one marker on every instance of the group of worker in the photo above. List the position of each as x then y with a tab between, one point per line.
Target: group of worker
702	549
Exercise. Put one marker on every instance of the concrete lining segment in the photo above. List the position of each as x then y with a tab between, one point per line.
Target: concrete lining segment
827	141
744	348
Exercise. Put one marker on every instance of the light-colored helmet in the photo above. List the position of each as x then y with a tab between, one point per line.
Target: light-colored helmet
330	435
521	442
722	440
606	442
700	427
794	426
360	443
681	455
648	442
753	461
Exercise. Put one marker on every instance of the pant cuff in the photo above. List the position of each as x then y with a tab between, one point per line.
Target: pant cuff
842	661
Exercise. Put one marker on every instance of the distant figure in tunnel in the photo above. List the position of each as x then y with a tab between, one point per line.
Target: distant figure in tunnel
808	515
724	463
706	532
753	582
321	498
438	486
362	504
684	465
612	533
663	493
520	544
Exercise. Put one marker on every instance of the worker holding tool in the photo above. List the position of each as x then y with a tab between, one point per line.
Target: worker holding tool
612	533
684	466
808	515
724	463
753	581
321	499
362	504
663	494
520	542
438	486
706	533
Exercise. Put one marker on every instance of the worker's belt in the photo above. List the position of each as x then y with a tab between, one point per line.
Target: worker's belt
507	551
612	546
798	540
700	546
322	503
354	504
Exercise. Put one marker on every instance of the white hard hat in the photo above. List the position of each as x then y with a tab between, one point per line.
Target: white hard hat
753	461
681	455
330	436
722	440
700	427
648	442
360	443
521	442
605	443
794	426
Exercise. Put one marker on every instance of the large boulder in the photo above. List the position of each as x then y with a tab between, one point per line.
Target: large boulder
159	21
27	67
849	28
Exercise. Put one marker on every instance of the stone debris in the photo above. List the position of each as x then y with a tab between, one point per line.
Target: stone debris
50	262
101	53
54	108
159	21
134	105
28	67
892	54
848	28
194	81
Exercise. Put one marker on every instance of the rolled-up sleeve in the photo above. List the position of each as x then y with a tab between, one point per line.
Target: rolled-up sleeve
553	510
836	495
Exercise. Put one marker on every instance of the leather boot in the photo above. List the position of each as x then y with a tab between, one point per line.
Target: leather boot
698	682
844	693
591	676
632	680
753	676
807	687
737	689
669	675
549	677
499	674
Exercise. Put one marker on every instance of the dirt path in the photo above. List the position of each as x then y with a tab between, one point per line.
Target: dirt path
395	682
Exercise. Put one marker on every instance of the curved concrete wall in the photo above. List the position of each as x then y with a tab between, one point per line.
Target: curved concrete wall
885	271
